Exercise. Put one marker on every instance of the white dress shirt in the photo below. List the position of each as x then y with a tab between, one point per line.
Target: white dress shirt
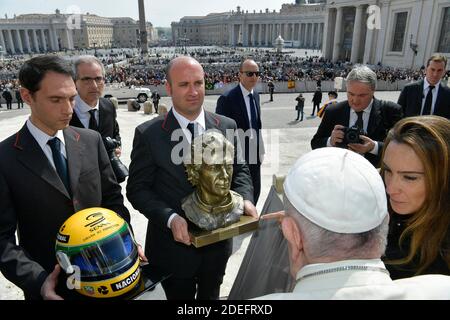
42	138
352	121
199	124
82	109
426	88
366	116
245	93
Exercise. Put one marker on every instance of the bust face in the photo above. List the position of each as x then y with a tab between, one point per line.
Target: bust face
211	169
214	181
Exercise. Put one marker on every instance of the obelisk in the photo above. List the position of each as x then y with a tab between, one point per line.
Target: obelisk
142	28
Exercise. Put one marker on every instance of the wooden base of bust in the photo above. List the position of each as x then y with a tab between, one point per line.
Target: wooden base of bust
200	238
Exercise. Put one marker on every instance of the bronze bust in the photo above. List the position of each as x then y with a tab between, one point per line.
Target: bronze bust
209	166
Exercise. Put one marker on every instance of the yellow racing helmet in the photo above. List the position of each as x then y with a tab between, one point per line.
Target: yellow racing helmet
96	247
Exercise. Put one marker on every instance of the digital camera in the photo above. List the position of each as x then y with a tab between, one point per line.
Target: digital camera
120	170
351	135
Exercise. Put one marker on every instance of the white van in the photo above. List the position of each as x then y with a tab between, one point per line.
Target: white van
141	94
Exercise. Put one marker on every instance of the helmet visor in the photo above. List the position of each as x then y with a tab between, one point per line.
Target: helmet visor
106	257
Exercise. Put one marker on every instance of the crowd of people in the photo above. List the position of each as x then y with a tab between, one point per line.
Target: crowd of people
220	66
221	70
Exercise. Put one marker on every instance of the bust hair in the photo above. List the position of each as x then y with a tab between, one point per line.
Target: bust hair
209	148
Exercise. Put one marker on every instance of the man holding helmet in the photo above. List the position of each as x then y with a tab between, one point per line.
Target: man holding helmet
48	171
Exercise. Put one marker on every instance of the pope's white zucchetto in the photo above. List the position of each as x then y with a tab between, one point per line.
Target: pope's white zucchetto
337	189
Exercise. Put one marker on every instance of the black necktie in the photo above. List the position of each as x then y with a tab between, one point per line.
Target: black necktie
359	122
428	101
60	162
191	128
92	122
253	113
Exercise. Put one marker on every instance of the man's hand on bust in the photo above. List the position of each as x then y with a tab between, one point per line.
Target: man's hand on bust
179	228
250	209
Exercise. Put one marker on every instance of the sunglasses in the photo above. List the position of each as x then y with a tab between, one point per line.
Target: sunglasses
251	73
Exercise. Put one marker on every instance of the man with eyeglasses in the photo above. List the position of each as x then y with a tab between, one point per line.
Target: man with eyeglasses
242	105
91	110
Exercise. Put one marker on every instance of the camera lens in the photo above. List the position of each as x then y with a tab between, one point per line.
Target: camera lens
352	136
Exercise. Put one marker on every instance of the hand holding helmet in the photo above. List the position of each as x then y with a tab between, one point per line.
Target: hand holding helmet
96	246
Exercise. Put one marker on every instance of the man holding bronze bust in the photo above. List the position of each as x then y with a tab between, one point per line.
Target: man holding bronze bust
158	183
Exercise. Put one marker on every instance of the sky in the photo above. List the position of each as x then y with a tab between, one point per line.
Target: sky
159	13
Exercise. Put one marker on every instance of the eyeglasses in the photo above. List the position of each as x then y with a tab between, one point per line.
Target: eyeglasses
97	80
251	73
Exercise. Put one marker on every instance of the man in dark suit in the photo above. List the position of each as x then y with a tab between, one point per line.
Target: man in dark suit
94	112
371	116
428	96
271	87
155	98
158	183
8	98
242	105
316	100
19	98
48	171
91	110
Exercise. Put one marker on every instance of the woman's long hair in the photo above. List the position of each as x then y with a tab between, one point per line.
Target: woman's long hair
428	228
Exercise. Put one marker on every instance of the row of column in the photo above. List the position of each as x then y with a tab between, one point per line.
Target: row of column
334	35
32	40
307	35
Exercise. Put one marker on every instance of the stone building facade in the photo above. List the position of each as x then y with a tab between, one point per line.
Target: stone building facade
126	32
401	33
54	32
300	25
